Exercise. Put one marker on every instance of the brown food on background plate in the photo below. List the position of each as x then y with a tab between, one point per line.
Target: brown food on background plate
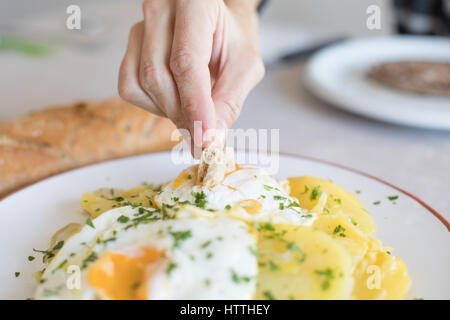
423	77
53	140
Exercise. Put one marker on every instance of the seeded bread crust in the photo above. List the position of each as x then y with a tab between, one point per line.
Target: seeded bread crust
46	142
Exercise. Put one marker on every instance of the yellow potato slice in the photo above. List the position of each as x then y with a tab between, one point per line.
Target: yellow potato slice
340	227
380	275
106	199
308	191
301	263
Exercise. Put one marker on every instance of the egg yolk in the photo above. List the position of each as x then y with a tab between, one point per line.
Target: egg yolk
184	176
252	206
123	277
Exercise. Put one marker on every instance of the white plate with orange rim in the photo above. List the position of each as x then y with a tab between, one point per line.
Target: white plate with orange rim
30	216
337	75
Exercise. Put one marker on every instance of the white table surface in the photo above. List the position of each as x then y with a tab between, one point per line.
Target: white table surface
414	159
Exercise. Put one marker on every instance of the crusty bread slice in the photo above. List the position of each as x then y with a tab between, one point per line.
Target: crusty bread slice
215	162
53	140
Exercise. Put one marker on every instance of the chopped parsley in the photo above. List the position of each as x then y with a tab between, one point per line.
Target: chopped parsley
109	239
123	219
47	254
257	226
227	207
164	211
61	265
315	192
272	266
58	245
339	230
200	199
306	190
268	295
239	279
269	227
205	244
180	236
30	258
209	255
90	258
293	247
255	252
17	274
90	223
392	198
171	267
293	204
144	217
376	203
326	275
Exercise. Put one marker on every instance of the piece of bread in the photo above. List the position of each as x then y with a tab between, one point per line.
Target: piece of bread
215	162
53	140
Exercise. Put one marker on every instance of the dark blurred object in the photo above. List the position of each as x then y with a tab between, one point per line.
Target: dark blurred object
302	53
424	17
306	52
261	5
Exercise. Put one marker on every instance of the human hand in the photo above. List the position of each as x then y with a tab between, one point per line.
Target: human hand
193	60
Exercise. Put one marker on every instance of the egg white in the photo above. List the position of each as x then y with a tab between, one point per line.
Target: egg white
240	185
215	262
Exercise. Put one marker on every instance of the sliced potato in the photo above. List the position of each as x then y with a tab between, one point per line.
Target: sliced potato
301	263
106	199
340	227
380	275
308	191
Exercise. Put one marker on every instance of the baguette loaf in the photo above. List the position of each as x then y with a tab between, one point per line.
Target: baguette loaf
53	140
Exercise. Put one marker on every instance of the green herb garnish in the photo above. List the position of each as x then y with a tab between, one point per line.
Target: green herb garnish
180	236
123	219
238	279
89	223
315	193
268	295
171	267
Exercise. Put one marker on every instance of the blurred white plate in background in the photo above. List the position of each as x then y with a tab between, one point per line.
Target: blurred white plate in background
337	75
32	215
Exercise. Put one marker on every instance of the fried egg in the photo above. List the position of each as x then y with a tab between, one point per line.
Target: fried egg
262	197
141	253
